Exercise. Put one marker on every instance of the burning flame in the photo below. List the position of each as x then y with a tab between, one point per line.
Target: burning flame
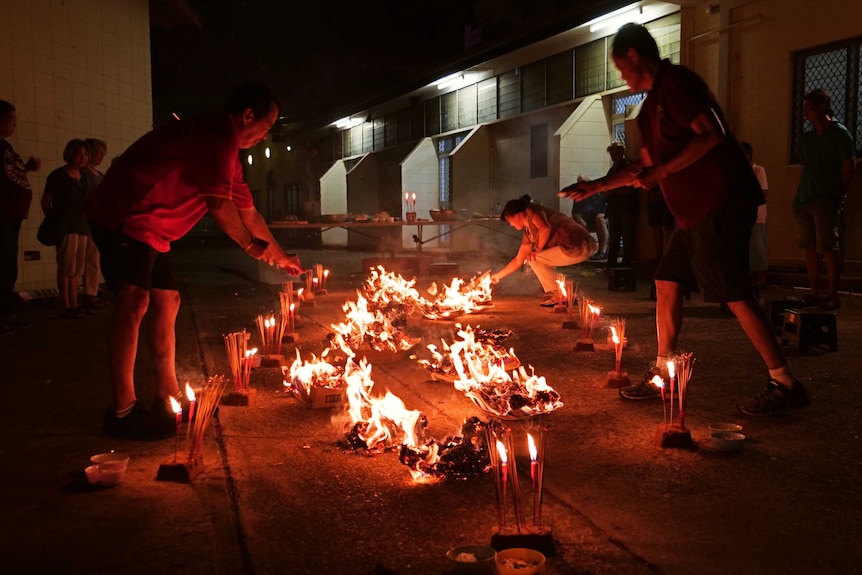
373	329
614	336
175	406
531	444
501	449
190	393
657	381
671	368
485	352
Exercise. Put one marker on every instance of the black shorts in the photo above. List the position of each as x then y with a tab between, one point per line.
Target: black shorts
127	260
712	256
658	214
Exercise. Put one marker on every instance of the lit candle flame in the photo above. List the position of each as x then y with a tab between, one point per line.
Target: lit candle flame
190	393
614	336
175	406
325	273
250	352
657	381
292	307
671	368
534	455
501	449
595	310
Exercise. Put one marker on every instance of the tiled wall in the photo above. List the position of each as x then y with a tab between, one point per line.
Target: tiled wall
72	69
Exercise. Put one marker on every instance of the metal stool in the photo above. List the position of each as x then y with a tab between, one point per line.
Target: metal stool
804	329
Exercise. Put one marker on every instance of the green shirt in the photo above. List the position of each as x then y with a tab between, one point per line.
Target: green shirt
823	156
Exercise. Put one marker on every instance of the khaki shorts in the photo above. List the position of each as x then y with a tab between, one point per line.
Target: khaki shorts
72	254
817	225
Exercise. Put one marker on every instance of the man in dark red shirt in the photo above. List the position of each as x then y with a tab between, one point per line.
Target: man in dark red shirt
152	195
711	190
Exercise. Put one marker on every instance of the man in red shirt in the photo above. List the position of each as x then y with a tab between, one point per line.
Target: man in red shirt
152	195
711	190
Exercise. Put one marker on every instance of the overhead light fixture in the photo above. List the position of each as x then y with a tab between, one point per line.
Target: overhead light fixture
456	81
288	147
350	121
250	159
616	18
266	152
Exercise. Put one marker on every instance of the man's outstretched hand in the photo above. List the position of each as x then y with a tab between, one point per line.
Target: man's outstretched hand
291	265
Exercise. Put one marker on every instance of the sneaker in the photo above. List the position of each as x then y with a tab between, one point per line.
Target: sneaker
599	257
830	303
93	302
775	398
549	299
138	424
645	389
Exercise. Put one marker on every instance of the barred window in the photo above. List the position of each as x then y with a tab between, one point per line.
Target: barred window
836	69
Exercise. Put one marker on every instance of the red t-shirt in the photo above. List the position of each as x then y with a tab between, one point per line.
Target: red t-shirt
722	177
156	191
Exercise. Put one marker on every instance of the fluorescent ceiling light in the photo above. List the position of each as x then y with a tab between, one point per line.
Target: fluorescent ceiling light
615	19
459	80
350	121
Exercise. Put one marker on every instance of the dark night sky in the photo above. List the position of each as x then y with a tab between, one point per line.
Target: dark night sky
294	47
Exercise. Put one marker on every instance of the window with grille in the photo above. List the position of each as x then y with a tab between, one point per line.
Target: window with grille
621	106
533	86
487	100
509	103
467	106
836	69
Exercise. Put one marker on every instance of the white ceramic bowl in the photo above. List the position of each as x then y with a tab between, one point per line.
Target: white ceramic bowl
472	559
727	440
520	561
720	427
108	477
111	461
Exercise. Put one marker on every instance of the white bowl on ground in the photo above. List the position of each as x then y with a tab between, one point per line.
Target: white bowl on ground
111	461
520	561
721	427
107	477
727	440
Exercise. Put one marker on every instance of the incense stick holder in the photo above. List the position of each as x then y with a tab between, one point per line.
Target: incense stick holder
584	345
570	324
539	538
180	472
673	437
560	307
242	398
292	337
272	360
617	380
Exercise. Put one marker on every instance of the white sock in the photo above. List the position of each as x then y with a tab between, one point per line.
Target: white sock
783	375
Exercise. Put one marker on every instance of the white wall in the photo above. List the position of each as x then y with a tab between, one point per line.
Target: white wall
420	175
584	139
72	69
333	200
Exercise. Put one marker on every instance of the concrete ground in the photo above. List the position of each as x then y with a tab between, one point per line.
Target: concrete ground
278	494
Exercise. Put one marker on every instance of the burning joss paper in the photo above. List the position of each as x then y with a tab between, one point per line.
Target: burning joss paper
302	376
364	329
458	298
481	343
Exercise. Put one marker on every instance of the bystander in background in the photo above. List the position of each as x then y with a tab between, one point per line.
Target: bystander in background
15	198
827	153
66	191
590	213
622	212
92	268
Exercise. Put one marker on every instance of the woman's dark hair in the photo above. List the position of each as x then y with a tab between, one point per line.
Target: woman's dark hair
72	147
93	143
515	207
258	97
5	108
637	37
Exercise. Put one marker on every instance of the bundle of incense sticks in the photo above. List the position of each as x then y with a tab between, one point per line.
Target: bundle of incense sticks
537	473
589	315
684	363
271	331
236	344
571	292
207	400
289	307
